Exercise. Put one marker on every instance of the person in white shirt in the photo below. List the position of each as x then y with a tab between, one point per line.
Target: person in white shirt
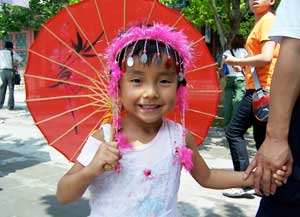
282	143
8	58
235	80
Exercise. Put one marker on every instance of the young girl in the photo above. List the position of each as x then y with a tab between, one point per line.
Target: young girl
139	175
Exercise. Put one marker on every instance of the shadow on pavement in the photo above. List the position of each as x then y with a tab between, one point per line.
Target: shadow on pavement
79	208
187	209
216	138
19	154
229	211
233	211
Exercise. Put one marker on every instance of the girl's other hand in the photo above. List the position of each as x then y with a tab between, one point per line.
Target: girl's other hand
279	177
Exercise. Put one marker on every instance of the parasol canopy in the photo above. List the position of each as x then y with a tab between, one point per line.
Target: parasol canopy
66	74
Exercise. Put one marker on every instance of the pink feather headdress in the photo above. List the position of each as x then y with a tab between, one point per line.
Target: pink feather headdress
159	32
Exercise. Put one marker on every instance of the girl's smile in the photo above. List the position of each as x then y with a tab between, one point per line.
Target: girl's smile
149	108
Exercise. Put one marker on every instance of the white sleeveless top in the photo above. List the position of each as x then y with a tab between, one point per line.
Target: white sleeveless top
239	53
148	182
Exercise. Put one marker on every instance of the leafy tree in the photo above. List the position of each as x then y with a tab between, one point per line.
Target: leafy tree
15	18
227	17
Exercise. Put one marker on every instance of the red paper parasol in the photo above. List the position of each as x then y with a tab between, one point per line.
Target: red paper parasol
65	78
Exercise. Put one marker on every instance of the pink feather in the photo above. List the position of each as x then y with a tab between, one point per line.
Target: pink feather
122	141
185	157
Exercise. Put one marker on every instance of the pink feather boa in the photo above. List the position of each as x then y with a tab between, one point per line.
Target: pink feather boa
185	157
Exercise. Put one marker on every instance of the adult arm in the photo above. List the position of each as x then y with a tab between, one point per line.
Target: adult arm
264	58
285	88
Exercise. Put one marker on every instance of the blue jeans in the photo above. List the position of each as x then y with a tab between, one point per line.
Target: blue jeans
286	201
241	121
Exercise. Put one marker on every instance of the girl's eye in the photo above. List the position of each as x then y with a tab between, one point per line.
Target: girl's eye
136	80
165	81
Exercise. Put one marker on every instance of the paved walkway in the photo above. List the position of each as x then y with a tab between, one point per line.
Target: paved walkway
30	169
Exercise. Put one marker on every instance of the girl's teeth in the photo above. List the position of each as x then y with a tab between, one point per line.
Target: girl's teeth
149	106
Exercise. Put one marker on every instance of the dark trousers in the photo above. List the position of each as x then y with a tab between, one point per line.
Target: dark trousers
241	121
286	201
6	77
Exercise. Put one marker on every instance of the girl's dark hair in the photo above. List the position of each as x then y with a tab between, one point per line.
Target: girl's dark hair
150	48
237	42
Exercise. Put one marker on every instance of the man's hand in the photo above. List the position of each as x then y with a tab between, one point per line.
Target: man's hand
272	155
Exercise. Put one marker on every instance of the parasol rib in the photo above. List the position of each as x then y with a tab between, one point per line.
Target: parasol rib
101	22
201	68
177	21
219	118
196	42
70	48
83	33
124	14
82	144
91	96
195	134
203	113
151	11
94	81
93	89
75	125
68	111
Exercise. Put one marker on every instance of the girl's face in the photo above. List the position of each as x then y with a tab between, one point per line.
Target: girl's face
148	91
261	6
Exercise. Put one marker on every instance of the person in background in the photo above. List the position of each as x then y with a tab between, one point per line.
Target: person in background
263	53
282	142
235	80
8	58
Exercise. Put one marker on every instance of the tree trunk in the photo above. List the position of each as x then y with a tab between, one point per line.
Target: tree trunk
220	27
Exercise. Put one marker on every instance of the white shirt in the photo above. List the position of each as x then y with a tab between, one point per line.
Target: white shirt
239	53
131	192
287	20
5	59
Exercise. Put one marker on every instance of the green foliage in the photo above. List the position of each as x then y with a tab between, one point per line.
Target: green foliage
15	18
200	13
232	16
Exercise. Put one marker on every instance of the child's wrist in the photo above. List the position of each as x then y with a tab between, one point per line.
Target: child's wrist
90	172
